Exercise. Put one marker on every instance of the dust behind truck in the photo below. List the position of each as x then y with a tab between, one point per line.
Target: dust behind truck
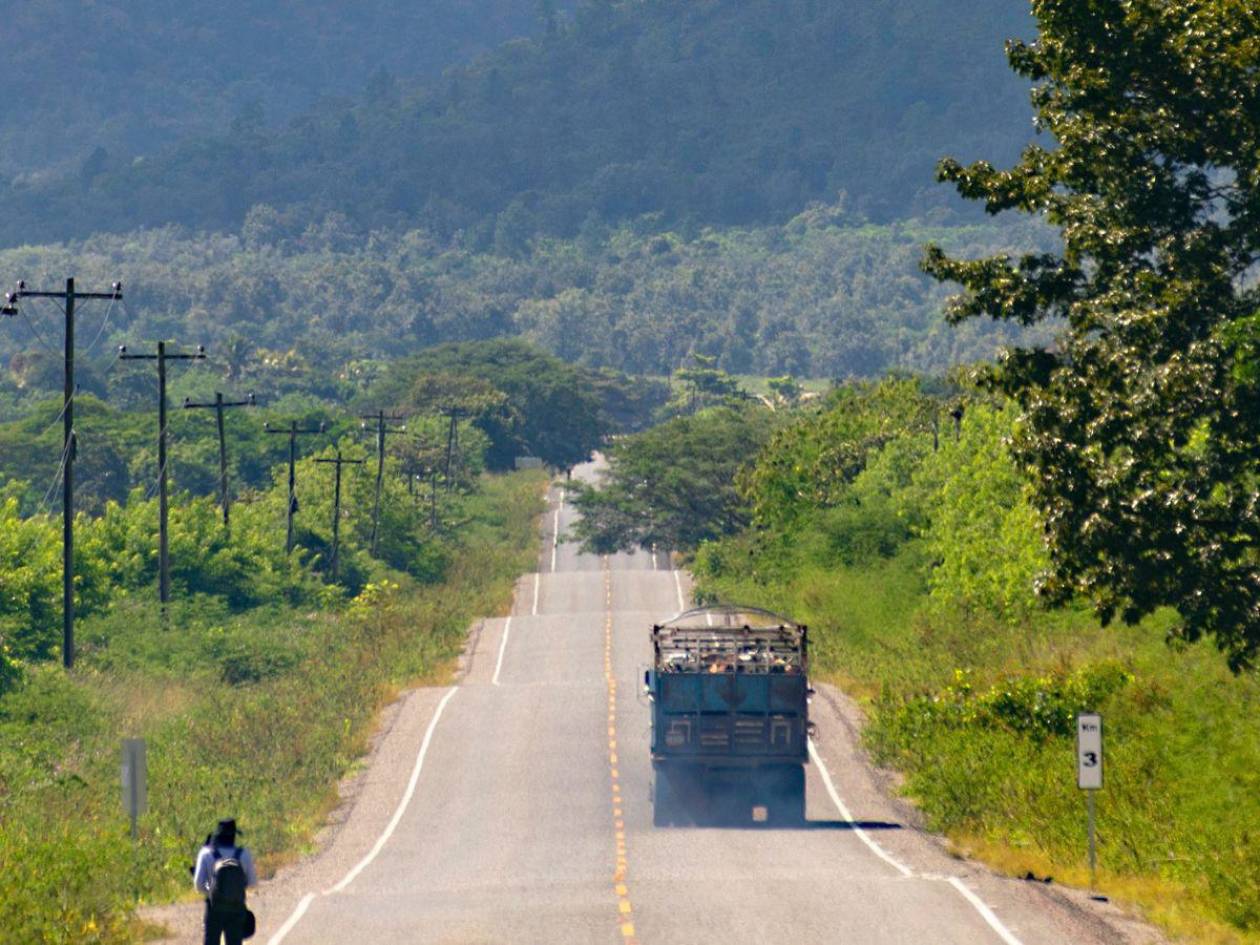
730	718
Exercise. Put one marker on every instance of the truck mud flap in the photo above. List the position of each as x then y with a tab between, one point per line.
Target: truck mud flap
691	795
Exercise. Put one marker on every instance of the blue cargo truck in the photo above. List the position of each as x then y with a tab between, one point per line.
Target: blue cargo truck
729	693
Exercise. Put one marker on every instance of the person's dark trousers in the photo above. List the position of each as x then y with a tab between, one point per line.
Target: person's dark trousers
229	925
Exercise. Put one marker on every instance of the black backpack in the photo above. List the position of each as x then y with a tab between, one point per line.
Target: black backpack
227	881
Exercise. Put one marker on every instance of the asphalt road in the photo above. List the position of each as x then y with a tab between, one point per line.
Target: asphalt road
514	808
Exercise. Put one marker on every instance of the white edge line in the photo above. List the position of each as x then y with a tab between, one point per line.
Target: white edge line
292	920
844	812
498	666
537	581
985	912
305	902
402	804
963	890
678	584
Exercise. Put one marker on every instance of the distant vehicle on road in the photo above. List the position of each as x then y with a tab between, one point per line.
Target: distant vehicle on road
730	718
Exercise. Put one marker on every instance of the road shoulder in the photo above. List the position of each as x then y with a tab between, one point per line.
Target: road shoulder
367	799
872	795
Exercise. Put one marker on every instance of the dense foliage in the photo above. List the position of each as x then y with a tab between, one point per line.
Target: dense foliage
523	402
1142	426
285	308
128	77
912	551
719	111
284	698
527	403
674	486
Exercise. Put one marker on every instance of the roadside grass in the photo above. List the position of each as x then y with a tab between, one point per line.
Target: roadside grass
976	713
254	715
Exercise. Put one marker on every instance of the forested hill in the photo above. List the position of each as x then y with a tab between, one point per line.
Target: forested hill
713	111
130	76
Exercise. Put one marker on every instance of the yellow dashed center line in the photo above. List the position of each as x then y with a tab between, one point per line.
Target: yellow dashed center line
624	909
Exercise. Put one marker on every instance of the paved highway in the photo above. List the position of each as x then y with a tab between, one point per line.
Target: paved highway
514	808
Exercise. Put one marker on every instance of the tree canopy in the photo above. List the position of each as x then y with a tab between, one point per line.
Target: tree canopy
820	296
719	111
526	401
674	486
1142	424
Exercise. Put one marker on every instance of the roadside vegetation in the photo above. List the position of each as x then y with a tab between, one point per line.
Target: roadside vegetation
913	554
259	688
1072	527
253	712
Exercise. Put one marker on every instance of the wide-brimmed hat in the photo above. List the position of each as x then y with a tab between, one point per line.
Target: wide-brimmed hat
225	831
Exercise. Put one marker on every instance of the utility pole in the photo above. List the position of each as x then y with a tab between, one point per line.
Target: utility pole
381	430
452	442
68	445
218	406
292	432
433	521
336	523
164	550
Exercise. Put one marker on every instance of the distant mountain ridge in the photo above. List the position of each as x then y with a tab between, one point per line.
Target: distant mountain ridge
132	76
699	111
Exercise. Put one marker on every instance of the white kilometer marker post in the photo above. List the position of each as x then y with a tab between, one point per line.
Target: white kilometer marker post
1089	778
135	776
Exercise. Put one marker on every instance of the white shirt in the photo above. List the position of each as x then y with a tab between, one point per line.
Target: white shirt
205	867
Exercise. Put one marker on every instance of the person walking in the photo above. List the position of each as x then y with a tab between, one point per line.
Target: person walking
222	873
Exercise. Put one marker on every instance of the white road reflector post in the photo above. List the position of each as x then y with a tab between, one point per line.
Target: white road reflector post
135	776
1089	775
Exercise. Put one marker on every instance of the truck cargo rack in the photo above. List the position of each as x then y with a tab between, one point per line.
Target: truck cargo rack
730	639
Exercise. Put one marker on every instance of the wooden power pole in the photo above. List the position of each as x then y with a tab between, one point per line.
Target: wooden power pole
293	431
164	549
68	444
218	406
336	522
382	429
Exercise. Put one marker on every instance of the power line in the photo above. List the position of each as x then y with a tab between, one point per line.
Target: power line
52	488
100	331
69	296
164	555
292	432
382	429
42	508
336	535
38	334
218	406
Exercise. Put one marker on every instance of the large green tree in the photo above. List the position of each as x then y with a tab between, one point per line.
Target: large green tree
674	486
525	400
1141	426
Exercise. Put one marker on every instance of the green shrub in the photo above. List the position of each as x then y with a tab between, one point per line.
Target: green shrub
305	686
1039	707
30	587
897	604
